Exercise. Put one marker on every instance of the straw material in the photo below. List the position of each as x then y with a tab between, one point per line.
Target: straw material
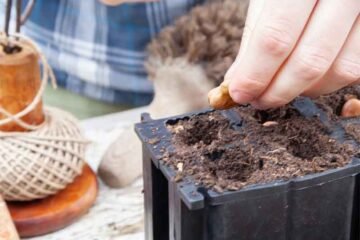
44	160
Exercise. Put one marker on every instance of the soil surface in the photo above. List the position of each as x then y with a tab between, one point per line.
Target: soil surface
263	147
353	129
334	102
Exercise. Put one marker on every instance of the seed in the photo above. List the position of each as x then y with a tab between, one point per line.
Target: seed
270	123
219	98
351	108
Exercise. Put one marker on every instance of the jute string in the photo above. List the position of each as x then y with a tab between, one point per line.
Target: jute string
46	158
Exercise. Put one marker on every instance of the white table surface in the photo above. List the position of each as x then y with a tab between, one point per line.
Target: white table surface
117	213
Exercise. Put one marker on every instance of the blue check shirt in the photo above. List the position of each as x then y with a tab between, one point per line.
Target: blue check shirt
99	51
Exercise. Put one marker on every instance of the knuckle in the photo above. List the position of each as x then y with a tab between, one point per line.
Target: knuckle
276	40
312	63
347	69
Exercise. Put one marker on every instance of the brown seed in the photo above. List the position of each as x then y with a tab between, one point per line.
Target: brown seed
219	98
351	108
270	123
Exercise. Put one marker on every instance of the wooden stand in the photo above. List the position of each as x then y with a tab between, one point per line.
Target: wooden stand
56	212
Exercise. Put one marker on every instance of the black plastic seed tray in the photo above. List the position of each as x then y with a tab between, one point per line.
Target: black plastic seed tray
322	206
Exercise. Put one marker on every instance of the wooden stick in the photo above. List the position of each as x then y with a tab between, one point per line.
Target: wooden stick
18	15
7	17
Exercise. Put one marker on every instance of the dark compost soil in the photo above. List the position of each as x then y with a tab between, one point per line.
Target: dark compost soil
270	145
334	102
353	129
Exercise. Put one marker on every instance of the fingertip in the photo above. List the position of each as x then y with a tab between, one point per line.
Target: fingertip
235	90
239	96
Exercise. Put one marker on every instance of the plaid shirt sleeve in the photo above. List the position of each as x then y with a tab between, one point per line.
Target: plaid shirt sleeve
99	51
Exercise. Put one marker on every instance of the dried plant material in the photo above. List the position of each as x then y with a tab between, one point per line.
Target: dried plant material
219	97
351	108
180	166
178	129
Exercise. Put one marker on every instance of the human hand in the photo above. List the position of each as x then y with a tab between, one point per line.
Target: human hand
118	2
292	48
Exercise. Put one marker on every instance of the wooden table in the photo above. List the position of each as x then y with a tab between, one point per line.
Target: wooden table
117	213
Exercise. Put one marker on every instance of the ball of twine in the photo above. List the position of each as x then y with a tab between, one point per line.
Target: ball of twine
45	159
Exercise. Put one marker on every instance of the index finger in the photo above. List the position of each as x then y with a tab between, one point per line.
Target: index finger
274	37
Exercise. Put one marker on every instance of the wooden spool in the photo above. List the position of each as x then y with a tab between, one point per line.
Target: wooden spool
56	212
20	80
